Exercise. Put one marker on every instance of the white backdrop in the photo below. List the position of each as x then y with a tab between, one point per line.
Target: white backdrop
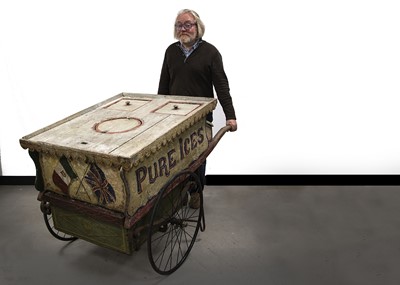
315	83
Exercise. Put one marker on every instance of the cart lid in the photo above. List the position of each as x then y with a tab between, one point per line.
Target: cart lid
123	129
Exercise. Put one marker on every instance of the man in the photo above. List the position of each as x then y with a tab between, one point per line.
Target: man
193	67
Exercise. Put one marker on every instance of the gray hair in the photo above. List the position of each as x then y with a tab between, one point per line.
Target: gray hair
199	23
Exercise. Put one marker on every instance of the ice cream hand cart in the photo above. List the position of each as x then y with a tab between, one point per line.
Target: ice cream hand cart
121	173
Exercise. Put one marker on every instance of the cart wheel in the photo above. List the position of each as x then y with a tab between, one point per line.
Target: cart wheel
48	219
174	225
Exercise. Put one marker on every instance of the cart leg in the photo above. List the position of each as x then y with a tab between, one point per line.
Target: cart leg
174	225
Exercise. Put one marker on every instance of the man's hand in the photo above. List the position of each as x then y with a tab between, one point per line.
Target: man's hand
233	125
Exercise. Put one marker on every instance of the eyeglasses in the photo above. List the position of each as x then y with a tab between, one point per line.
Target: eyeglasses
186	26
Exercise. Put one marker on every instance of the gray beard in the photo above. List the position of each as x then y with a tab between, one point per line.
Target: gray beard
186	40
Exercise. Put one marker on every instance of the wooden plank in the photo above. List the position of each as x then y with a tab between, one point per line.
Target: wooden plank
80	135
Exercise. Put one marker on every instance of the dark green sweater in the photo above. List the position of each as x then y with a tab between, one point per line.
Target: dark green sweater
196	75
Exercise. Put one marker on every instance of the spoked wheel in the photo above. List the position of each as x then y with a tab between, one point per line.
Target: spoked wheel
174	224
48	219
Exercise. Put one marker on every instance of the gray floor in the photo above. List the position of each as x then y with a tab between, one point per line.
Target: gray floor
254	235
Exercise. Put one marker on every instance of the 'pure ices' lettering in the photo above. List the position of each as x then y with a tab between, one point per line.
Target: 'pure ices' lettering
165	163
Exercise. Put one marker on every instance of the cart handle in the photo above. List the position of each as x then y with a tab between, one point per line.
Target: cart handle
214	141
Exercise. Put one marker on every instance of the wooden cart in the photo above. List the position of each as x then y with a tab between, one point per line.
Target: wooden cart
121	173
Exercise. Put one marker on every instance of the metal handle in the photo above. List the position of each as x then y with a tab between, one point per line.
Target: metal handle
210	148
220	134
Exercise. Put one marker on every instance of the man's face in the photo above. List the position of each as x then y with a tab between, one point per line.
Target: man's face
186	29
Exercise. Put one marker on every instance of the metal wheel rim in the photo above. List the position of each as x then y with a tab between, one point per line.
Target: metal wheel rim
48	219
172	233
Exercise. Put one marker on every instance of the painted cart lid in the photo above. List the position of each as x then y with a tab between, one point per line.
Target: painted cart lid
122	130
